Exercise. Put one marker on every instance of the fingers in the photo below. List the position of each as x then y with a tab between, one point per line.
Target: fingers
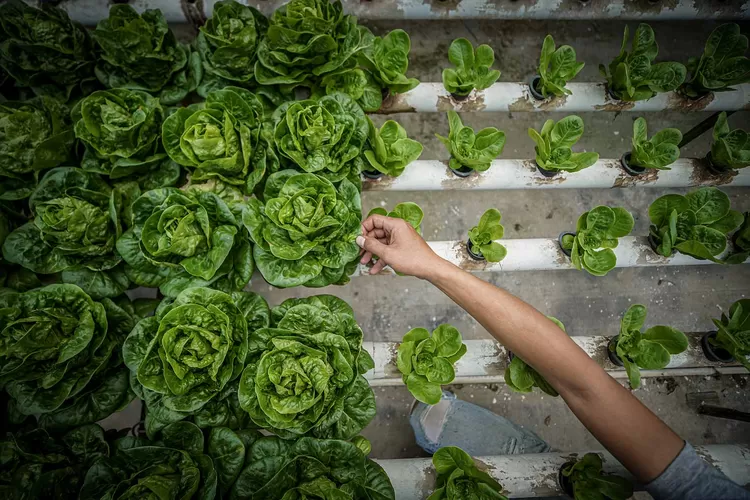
374	222
379	265
372	246
366	257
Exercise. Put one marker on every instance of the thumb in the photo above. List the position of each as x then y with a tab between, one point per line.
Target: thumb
372	245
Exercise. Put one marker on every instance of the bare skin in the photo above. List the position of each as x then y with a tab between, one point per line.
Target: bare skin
631	432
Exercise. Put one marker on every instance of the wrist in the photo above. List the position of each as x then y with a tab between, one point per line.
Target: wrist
439	270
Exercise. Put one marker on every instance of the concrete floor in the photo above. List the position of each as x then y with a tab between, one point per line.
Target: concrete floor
686	298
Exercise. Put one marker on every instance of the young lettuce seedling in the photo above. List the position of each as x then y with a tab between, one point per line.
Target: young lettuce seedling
741	240
472	68
659	151
482	237
722	64
649	350
590	482
390	149
556	68
520	377
554	143
470	151
426	362
734	332
632	76
696	224
596	235
408	211
458	478
731	148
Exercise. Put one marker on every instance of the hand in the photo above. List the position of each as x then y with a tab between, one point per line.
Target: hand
398	245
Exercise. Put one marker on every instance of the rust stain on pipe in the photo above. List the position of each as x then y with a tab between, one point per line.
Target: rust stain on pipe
473	102
527	103
395	103
702	176
682	103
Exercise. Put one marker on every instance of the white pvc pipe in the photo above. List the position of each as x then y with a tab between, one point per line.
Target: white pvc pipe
542	254
485	361
434	175
535	475
91	11
430	97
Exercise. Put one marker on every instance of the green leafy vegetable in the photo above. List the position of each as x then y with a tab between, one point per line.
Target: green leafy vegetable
459	477
741	239
554	143
469	150
483	236
304	373
731	148
221	138
186	355
175	467
304	230
77	220
408	211
695	224
589	482
649	350
521	377
227	45
596	235
324	136
658	152
140	52
72	331
34	135
556	68
121	130
426	361
722	64
37	465
472	68
46	51
310	468
306	40
390	149
387	60
633	76
188	237
733	333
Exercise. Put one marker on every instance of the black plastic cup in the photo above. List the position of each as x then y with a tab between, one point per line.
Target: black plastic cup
459	98
533	82
464	171
613	357
372	174
560	241
630	168
713	353
545	172
474	254
564	481
713	167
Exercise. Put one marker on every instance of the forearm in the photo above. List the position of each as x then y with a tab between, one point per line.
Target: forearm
640	440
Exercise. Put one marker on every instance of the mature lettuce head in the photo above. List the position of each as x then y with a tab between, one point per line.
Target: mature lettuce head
140	52
45	50
324	136
310	468
53	343
186	355
227	44
304	374
34	135
222	138
77	220
186	238
173	467
306	40
121	131
304	230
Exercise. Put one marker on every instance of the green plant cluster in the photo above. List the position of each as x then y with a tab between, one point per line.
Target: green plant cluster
554	143
589	482
482	236
557	66
733	332
471	151
730	148
660	151
473	68
597	233
459	476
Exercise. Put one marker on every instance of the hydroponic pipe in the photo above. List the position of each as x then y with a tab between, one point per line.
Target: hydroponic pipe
434	175
535	475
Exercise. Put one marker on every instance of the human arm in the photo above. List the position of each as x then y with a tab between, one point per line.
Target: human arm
629	430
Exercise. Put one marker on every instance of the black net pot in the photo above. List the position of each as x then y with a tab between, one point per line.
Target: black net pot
712	167
565	483
629	167
545	172
372	174
560	241
464	171
474	253
613	357
712	352
533	84
460	98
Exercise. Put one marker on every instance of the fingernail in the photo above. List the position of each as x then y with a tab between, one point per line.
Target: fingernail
360	241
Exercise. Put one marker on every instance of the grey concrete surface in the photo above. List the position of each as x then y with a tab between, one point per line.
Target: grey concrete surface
686	297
